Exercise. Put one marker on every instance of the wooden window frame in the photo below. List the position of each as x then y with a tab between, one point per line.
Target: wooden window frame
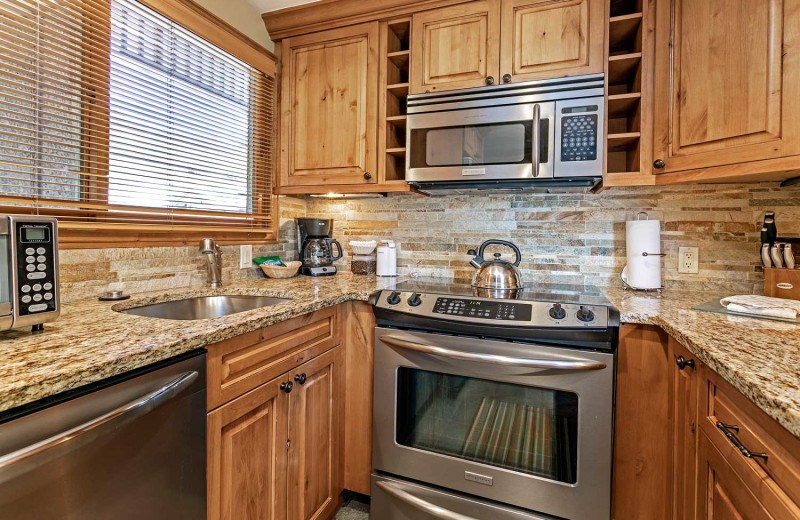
87	235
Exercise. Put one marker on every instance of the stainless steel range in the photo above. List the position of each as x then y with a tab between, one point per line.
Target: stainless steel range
490	408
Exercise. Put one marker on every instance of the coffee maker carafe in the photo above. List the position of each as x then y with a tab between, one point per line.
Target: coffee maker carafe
316	246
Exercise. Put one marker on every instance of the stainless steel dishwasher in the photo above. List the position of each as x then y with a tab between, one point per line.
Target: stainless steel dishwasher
129	450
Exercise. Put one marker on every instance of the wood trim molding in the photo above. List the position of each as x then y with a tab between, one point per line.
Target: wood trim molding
217	31
329	14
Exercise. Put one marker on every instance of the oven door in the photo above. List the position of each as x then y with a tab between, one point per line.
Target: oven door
520	424
513	142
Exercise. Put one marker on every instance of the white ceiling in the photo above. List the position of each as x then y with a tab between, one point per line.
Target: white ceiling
265	6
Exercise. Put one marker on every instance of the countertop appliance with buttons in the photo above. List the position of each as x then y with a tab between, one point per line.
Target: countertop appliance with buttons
29	295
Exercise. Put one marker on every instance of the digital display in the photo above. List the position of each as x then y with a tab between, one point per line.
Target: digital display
483	309
34	234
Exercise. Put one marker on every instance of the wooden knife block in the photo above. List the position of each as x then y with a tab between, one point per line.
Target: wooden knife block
782	283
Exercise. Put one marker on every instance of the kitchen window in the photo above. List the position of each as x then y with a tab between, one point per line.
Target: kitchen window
132	128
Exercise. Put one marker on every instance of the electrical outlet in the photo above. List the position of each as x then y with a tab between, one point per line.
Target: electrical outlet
245	256
688	260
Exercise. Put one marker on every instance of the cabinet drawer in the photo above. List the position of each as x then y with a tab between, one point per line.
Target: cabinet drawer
240	364
779	473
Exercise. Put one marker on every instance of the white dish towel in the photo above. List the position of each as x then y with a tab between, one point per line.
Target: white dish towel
762	305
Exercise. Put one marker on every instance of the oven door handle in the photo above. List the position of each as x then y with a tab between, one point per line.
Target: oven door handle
435	511
556	364
537	137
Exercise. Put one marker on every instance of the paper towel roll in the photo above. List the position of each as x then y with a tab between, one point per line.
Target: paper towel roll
643	236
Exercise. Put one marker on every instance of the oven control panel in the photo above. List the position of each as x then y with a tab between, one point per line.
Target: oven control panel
488	310
514	313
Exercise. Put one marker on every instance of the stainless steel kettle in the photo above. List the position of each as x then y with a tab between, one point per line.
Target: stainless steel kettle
497	274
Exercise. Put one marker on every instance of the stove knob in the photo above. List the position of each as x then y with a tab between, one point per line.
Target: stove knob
393	298
414	300
557	313
585	315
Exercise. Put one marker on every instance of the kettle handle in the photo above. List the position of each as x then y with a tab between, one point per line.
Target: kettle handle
501	243
331	242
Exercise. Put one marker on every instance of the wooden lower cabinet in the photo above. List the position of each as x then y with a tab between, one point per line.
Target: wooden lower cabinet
247	456
276	452
315	437
684	387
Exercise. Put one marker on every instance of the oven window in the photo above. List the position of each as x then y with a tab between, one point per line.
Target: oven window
507	143
523	428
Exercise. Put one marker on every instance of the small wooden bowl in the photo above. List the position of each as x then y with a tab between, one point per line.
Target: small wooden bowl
277	271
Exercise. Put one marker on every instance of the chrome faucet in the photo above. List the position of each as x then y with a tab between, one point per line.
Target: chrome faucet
209	247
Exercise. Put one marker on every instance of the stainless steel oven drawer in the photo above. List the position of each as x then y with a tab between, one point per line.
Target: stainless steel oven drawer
395	499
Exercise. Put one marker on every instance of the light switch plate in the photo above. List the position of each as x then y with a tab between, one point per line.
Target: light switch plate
245	256
688	260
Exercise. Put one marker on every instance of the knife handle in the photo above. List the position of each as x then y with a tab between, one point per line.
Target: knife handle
765	255
775	255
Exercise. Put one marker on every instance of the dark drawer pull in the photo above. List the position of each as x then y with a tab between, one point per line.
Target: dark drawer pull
729	430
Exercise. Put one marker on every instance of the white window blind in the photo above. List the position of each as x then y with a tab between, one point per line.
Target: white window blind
116	119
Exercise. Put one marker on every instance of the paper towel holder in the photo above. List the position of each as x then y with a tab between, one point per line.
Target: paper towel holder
625	285
654	254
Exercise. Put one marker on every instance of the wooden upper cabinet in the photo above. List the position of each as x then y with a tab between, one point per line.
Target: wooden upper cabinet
329	99
455	47
727	82
546	38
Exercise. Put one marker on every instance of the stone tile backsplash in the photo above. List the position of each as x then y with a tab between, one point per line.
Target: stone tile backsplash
568	238
87	273
577	238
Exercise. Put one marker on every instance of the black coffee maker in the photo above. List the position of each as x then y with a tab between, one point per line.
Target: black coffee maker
316	246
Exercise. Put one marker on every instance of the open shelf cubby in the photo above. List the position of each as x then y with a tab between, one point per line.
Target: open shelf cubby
396	63
624	78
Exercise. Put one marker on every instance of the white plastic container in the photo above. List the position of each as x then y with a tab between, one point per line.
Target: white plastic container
387	258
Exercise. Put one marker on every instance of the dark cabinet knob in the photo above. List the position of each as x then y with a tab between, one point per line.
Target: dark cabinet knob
393	298
414	300
682	362
300	378
490	80
506	78
287	387
368	176
659	163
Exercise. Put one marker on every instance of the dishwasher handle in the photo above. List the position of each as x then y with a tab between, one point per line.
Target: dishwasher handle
551	364
435	511
20	461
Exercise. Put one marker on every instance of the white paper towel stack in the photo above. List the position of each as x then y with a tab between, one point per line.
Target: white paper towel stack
643	236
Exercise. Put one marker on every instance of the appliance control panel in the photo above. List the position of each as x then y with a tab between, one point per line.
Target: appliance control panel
36	268
579	137
491	310
512	313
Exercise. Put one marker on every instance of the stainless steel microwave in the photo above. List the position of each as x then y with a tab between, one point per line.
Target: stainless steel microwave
29	293
539	135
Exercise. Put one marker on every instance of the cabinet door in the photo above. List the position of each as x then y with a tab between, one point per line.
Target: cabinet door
724	494
550	39
329	99
684	388
456	47
316	407
247	456
726	82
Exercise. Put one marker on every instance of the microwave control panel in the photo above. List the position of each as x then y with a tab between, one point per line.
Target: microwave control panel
36	276
578	136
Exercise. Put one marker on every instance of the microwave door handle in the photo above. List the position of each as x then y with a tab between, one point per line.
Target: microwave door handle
394	490
494	359
25	459
537	136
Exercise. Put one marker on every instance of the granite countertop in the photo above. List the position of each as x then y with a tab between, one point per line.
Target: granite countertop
91	341
760	358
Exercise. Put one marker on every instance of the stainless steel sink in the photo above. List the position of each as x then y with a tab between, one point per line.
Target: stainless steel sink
204	307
